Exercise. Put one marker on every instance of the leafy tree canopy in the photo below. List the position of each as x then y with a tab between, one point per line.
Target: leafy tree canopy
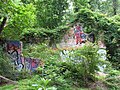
20	16
50	12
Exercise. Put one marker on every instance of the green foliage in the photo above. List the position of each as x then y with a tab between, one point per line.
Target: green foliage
22	24
96	22
20	17
7	87
6	68
116	18
83	64
5	8
34	35
80	4
113	80
37	35
44	78
50	13
63	75
105	6
36	83
40	51
57	34
70	75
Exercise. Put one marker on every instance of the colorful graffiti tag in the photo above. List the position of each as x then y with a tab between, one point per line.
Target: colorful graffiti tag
14	50
31	64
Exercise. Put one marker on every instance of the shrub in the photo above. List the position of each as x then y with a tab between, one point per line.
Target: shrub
110	27
7	68
5	65
78	69
82	64
113	80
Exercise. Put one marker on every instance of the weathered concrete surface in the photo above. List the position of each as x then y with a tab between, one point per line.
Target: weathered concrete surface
69	41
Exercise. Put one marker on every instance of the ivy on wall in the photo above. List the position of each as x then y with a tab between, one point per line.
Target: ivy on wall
96	22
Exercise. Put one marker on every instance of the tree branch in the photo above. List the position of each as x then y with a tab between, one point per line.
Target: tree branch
11	81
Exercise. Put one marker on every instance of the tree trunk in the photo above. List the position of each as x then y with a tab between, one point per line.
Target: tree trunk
114	7
52	43
3	24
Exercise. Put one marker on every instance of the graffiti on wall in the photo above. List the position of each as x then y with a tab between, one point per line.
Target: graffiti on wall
76	37
14	50
31	64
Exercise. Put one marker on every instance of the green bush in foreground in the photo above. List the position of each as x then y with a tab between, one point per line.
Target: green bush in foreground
113	79
6	69
74	74
82	64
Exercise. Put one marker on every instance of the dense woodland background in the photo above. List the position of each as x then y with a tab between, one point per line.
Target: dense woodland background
41	24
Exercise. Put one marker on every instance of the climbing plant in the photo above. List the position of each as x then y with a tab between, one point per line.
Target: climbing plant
36	35
96	22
